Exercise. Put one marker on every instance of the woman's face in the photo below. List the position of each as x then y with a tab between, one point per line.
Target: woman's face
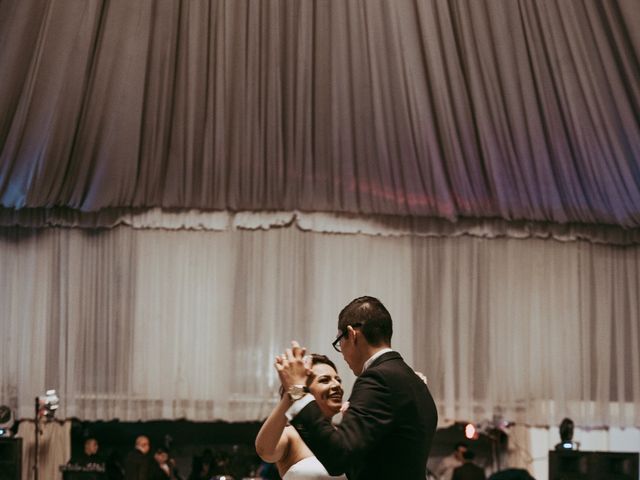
326	387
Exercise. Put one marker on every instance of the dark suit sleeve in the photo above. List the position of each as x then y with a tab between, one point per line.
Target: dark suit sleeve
137	467
368	419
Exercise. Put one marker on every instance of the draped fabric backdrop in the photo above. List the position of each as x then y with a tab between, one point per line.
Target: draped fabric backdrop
54	449
475	164
144	324
522	110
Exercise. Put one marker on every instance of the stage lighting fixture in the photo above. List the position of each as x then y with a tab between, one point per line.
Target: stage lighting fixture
470	431
566	436
47	404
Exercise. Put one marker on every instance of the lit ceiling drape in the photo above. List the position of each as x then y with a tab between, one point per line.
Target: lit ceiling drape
513	109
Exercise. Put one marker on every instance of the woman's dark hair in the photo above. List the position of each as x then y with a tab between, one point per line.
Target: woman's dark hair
316	359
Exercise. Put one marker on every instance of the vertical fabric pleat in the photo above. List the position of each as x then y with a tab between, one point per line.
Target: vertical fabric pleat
149	324
518	110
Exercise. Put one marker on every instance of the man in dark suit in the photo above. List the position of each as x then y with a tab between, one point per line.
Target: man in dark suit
139	462
387	430
468	470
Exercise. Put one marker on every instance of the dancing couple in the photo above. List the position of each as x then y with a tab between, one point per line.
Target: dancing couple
387	424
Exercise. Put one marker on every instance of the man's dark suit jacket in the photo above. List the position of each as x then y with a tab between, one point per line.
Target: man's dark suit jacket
387	430
138	466
468	471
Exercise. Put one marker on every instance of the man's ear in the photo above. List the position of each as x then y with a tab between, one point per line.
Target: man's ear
352	333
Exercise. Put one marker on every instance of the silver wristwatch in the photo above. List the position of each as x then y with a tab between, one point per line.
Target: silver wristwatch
296	392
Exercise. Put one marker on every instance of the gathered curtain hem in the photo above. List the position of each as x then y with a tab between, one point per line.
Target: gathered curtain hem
318	222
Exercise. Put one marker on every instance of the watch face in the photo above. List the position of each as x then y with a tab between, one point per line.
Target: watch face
296	392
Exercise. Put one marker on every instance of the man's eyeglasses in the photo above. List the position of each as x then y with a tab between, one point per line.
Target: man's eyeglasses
336	342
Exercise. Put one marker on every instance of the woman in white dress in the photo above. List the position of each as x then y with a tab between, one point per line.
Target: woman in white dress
281	444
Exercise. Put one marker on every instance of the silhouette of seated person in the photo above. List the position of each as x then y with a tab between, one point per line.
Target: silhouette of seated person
512	474
89	462
202	466
115	465
448	464
468	470
160	470
222	464
139	462
89	458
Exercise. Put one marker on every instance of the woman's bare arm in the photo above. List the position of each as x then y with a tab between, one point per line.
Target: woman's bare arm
272	442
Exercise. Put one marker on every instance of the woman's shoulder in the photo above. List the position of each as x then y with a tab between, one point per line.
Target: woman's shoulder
297	450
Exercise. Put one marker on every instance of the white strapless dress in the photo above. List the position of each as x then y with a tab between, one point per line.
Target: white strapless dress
309	468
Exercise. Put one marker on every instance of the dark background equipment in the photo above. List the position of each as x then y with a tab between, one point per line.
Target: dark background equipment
10	458
577	465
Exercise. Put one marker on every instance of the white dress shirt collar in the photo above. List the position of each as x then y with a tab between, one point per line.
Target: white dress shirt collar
368	363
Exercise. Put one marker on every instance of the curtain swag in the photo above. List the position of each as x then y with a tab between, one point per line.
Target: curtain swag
319	222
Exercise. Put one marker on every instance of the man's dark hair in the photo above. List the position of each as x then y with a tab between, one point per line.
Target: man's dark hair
373	317
469	455
461	444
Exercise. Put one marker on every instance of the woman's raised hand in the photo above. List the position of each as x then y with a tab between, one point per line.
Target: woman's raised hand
292	366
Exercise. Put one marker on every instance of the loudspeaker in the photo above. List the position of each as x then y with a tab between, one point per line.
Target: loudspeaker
616	465
10	458
575	465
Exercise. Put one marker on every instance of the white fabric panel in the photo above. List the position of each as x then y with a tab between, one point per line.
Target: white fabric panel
146	324
521	323
54	448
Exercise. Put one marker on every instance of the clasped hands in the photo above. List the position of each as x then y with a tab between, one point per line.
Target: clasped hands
292	366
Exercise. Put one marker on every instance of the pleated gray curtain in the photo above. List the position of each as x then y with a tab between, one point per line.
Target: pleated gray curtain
154	324
521	110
